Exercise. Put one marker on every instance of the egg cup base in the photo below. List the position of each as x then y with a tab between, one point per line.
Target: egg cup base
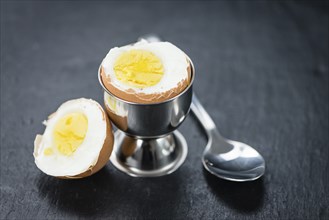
151	157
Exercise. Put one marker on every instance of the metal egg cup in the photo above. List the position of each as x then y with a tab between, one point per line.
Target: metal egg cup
147	143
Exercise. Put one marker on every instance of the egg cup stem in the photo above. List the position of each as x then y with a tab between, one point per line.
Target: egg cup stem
148	157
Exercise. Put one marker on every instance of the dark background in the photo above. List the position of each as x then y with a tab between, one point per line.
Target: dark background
262	73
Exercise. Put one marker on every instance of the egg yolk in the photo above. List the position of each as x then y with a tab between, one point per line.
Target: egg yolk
138	68
69	133
48	151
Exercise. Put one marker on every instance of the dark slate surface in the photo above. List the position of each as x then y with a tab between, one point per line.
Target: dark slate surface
262	73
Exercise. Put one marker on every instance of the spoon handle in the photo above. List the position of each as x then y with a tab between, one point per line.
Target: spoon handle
202	115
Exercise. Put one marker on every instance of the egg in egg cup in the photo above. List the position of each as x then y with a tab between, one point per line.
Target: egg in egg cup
147	112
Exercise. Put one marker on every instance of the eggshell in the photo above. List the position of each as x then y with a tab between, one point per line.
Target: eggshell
140	97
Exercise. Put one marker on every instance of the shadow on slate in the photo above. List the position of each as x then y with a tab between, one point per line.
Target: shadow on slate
76	196
243	197
104	193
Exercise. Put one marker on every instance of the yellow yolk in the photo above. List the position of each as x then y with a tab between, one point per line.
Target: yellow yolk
138	68
48	151
69	133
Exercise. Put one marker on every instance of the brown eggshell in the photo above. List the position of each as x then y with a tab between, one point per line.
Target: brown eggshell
140	97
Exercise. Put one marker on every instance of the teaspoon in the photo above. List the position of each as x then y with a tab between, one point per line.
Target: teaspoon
227	159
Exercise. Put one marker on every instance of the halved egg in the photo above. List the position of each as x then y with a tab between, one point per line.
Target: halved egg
146	72
77	142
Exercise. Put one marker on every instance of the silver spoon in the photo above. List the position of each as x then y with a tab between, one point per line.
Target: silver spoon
226	159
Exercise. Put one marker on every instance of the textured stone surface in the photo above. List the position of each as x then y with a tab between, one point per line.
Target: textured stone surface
262	73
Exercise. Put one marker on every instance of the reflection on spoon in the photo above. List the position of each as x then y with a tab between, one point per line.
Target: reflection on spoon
227	159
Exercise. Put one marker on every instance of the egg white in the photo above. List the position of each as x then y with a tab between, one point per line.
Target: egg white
173	60
86	154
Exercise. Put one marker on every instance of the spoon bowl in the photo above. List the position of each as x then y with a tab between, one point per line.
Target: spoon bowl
227	159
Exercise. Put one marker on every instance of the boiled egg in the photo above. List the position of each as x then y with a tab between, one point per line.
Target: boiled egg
146	72
77	141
